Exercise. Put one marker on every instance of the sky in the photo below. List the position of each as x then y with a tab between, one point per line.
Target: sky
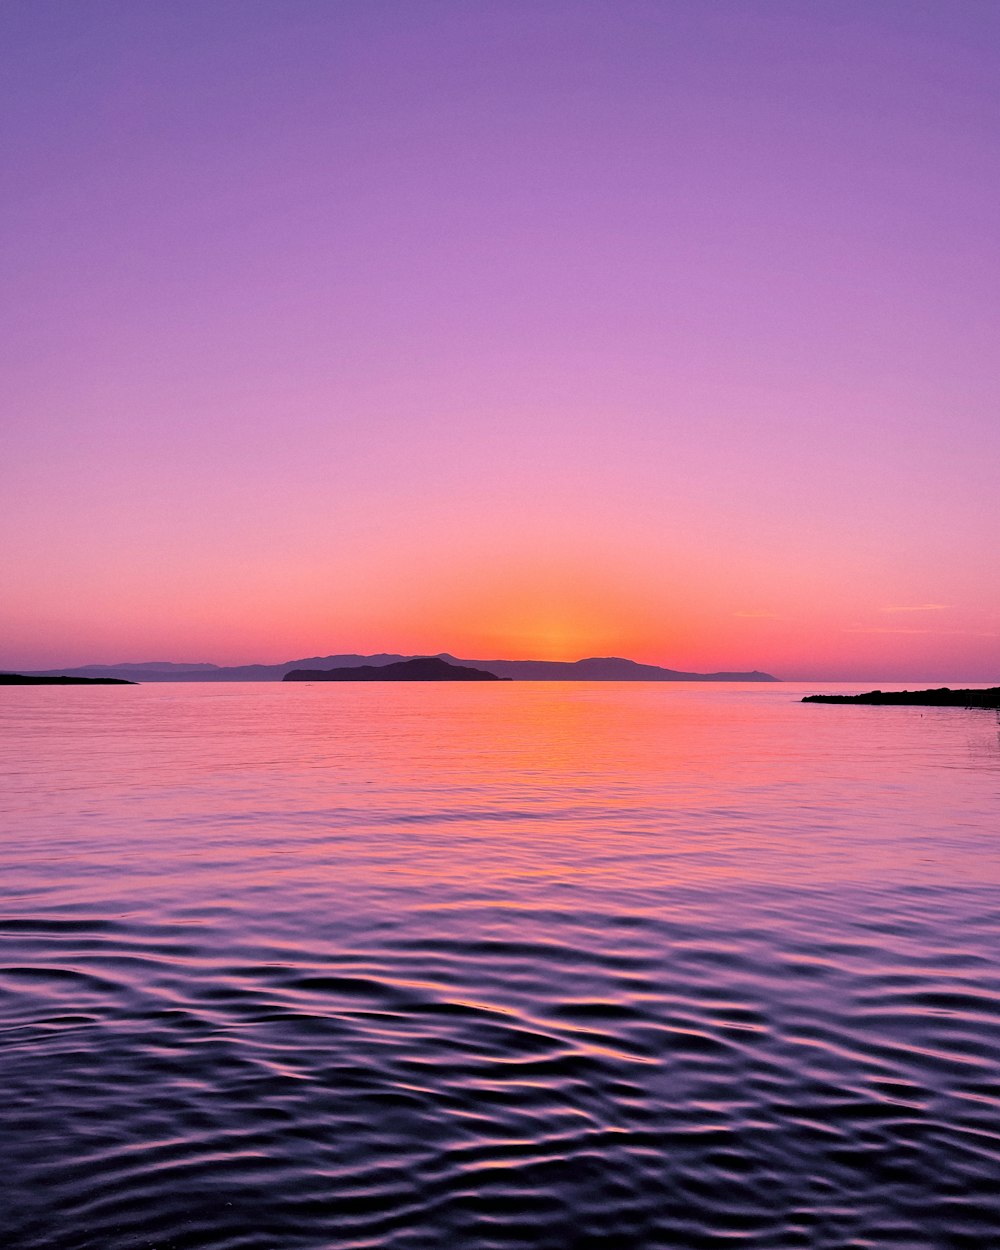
545	329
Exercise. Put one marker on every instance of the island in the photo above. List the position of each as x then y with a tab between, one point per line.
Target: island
941	697
30	679
421	668
593	668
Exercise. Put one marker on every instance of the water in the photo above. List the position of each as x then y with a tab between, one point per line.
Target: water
523	965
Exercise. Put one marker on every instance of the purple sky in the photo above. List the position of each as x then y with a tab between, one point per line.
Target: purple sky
660	329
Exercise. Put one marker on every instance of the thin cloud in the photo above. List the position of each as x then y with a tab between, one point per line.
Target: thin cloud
759	616
936	633
918	607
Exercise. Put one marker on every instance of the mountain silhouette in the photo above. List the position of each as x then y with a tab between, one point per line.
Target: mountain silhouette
422	668
595	668
607	668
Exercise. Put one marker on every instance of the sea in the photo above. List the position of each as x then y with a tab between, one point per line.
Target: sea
496	966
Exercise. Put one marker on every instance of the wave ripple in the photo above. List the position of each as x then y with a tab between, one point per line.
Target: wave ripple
283	969
472	1085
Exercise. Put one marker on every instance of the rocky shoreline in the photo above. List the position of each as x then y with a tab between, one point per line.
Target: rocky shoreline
943	696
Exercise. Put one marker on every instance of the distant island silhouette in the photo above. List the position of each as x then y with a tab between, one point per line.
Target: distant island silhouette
941	697
422	668
32	679
601	668
595	668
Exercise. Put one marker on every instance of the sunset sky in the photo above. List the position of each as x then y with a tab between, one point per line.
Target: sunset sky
666	330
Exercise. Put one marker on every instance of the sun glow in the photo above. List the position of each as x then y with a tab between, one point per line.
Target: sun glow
552	639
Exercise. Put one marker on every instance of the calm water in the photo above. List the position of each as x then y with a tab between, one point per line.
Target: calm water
525	965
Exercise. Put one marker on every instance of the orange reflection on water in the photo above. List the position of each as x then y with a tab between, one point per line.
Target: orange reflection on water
501	789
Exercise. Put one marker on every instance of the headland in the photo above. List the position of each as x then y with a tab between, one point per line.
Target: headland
941	697
32	679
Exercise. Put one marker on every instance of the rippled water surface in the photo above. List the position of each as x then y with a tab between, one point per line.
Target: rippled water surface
525	965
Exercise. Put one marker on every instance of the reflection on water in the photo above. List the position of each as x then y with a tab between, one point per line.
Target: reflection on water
497	966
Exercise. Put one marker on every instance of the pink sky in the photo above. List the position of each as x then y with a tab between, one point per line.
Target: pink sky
663	329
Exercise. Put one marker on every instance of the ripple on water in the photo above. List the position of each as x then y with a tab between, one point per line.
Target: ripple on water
689	1089
598	969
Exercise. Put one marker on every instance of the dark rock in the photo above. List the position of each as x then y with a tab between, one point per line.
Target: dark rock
941	697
